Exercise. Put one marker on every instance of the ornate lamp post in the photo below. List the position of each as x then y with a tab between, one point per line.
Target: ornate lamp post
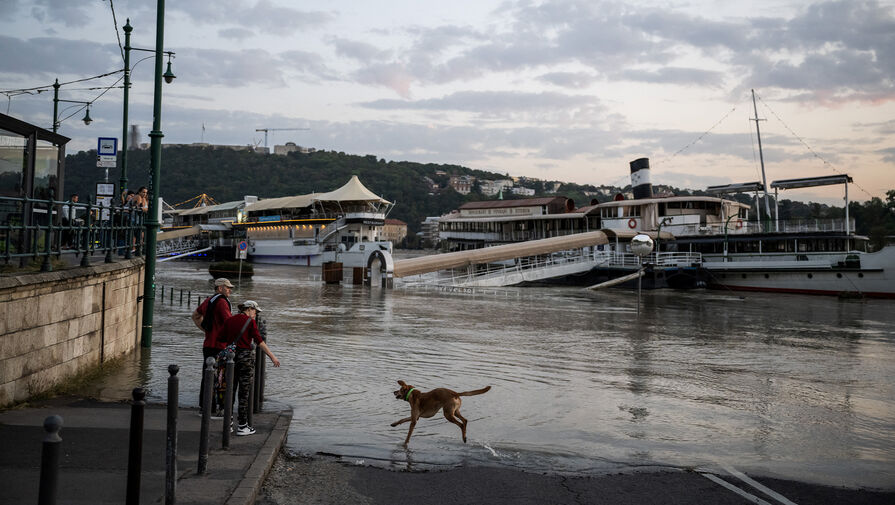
168	76
641	245
87	119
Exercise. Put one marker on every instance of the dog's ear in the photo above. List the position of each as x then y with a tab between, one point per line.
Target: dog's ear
402	383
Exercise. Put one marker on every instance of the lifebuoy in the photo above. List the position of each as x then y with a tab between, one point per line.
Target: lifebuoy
739	223
632	223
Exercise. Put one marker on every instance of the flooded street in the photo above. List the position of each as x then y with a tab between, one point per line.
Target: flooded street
789	386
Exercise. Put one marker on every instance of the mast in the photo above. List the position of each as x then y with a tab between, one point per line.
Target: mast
764	180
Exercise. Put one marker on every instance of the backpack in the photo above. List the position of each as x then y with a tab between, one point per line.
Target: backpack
220	376
208	317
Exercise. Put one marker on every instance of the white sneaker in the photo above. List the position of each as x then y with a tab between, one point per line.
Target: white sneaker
217	415
244	429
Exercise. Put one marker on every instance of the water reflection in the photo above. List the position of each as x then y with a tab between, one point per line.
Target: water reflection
793	386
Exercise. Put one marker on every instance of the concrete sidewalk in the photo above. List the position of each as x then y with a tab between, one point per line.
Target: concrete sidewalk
93	461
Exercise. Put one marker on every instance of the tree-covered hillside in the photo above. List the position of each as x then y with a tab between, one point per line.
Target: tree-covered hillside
228	175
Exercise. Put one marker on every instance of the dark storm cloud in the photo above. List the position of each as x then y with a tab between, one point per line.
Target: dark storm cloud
839	50
43	56
262	15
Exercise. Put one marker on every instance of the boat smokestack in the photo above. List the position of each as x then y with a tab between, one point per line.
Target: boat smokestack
640	182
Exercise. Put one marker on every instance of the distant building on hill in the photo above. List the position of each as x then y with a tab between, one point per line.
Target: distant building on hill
462	183
394	230
291	147
491	188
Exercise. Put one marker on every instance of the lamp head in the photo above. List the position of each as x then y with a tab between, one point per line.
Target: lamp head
87	119
169	75
641	245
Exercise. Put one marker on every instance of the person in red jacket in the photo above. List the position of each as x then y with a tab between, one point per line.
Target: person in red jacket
243	330
210	317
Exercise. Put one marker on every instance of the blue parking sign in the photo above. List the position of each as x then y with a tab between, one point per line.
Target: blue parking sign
106	146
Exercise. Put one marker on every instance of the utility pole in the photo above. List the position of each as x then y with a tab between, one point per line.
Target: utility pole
764	180
152	223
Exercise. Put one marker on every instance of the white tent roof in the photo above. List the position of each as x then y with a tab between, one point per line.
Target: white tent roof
352	191
283	202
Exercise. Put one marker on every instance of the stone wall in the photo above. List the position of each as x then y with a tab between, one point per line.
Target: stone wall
55	325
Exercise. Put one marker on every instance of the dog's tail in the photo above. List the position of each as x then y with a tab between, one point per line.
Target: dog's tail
476	392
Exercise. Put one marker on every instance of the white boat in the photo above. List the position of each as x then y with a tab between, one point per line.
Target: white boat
344	226
759	252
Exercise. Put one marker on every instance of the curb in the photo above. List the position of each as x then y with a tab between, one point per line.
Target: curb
247	490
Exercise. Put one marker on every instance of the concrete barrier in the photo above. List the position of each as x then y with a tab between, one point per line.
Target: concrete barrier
56	325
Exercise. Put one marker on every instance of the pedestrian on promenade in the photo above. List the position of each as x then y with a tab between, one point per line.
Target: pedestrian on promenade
246	338
142	199
210	317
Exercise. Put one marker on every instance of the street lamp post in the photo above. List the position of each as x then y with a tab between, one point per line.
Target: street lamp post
152	223
87	119
122	182
168	76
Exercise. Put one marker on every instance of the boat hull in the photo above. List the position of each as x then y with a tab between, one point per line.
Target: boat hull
871	276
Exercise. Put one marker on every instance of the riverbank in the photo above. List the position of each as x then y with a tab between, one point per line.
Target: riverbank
301	480
93	455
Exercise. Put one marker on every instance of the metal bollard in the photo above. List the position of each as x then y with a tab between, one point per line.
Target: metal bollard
135	449
49	461
171	447
172	295
189	297
228	401
162	289
250	403
262	378
256	382
181	296
206	415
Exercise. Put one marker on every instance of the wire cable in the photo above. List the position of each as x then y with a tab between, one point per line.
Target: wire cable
812	151
692	143
115	22
49	87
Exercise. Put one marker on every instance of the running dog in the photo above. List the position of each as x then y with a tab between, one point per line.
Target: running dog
428	404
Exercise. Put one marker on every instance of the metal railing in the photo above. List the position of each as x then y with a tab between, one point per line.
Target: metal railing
42	229
742	227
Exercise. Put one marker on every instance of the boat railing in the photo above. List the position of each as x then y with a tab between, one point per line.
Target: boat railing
620	259
743	227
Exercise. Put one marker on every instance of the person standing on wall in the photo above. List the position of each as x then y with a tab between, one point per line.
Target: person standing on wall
246	338
210	317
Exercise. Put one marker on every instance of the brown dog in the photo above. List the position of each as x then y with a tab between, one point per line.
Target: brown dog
428	404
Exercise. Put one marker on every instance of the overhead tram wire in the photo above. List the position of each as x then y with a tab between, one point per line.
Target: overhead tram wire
50	86
115	23
812	151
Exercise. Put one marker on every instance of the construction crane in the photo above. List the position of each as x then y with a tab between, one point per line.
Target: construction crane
265	130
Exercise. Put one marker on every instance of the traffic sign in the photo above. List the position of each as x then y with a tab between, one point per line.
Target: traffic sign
243	245
106	161
107	146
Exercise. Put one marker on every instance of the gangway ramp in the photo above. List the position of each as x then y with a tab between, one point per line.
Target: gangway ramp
533	260
176	234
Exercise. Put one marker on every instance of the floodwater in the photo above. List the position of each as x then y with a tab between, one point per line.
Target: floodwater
788	386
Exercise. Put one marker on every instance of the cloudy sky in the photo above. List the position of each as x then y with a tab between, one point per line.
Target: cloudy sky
567	90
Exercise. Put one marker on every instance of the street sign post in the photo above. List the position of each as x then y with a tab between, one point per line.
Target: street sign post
106	153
